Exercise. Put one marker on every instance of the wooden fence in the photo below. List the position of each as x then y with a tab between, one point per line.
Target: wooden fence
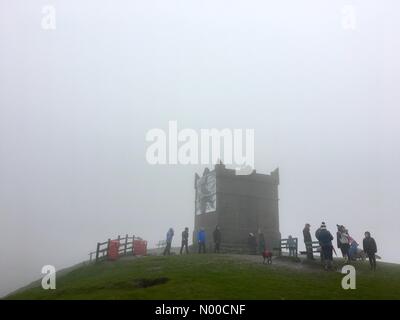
161	244
125	248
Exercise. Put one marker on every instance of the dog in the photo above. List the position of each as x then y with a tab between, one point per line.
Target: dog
267	255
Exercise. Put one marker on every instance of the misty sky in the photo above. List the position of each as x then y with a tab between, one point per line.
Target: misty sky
76	103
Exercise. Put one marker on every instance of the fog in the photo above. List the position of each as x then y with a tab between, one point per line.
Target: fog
76	103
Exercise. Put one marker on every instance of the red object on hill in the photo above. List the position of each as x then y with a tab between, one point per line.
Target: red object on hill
139	247
267	254
113	250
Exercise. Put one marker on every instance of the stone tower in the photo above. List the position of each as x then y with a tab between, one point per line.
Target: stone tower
239	205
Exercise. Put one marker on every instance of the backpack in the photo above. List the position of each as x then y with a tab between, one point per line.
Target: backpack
344	238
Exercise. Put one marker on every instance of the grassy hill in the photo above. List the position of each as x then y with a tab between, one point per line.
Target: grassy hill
216	277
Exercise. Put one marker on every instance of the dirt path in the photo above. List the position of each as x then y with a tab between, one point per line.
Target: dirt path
282	262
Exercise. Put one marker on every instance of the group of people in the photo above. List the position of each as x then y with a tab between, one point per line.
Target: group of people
201	240
347	245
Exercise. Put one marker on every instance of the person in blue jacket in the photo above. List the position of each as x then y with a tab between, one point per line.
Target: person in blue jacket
170	235
201	238
325	239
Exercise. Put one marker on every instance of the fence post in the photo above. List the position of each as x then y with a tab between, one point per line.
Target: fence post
97	251
108	246
126	244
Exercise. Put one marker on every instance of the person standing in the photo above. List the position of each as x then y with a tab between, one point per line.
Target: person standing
185	240
292	246
217	239
308	241
325	239
201	239
369	247
170	235
343	242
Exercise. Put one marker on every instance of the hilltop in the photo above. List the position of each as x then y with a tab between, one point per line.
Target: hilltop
212	276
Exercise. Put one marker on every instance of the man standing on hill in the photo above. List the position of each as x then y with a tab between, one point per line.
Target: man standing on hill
369	246
217	239
201	239
325	239
308	241
185	239
170	235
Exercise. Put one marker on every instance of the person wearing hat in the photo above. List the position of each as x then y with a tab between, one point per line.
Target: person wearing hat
325	239
308	241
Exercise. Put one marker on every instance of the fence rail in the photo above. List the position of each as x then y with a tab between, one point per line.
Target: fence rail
126	246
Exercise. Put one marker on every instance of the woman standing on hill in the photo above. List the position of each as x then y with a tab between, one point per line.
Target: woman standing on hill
343	242
369	246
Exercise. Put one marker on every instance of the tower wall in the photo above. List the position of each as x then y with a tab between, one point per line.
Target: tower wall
245	204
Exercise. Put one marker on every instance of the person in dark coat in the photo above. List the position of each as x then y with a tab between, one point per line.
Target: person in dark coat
201	238
369	247
308	241
325	239
217	239
185	240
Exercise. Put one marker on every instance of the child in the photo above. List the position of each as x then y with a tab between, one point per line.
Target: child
267	255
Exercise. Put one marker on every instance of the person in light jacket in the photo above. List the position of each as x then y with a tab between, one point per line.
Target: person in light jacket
170	235
308	241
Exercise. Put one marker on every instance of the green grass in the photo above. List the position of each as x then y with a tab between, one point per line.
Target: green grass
216	277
